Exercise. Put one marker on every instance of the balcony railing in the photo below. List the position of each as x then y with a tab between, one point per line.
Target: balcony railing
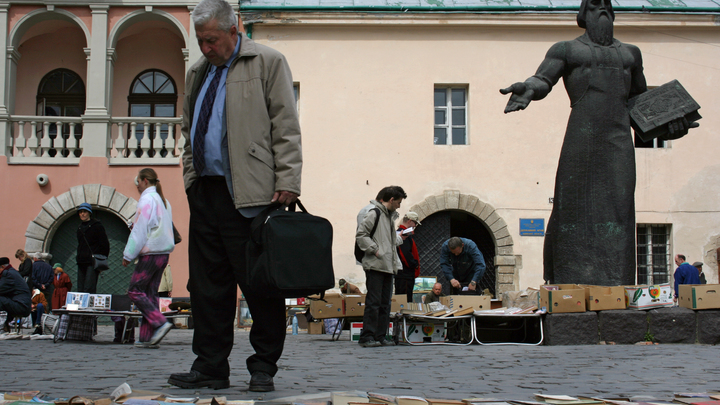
140	140
125	140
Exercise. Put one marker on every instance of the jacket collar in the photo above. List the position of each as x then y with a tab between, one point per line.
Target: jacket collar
384	210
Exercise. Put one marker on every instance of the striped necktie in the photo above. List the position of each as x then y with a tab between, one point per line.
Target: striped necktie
203	121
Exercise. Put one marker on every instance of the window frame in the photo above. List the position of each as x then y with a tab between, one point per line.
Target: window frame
448	109
153	100
649	250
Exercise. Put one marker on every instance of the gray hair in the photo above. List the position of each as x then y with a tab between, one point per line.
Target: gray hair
218	10
454	242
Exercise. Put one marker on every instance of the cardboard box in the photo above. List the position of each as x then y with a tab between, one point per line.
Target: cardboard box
356	331
419	332
315	328
600	298
562	298
700	296
333	306
354	305
478	302
398	302
648	296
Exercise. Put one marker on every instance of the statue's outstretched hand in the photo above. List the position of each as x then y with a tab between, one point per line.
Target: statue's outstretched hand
520	98
678	128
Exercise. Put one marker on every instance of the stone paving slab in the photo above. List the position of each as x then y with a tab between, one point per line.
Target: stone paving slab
313	364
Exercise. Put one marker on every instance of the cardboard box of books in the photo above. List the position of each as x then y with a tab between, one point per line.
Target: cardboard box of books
562	298
354	305
315	328
332	306
701	296
80	299
477	302
425	332
398	302
356	331
648	296
600	298
100	301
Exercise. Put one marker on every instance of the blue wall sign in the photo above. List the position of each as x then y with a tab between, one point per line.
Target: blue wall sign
532	227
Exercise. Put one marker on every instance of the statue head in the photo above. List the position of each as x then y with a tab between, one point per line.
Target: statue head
597	6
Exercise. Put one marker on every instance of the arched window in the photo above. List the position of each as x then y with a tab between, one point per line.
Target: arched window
61	94
152	94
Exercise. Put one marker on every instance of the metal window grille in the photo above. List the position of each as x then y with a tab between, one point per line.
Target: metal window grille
653	254
450	116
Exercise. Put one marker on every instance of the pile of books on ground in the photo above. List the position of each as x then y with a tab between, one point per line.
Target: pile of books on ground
126	396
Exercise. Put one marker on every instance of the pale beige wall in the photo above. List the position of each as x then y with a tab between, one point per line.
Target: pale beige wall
366	114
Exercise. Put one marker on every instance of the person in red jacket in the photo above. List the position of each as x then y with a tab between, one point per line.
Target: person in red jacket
62	284
405	278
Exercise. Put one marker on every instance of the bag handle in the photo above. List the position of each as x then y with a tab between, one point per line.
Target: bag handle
259	221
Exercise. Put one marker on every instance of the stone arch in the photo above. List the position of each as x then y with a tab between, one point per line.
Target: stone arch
40	231
144	15
505	259
36	16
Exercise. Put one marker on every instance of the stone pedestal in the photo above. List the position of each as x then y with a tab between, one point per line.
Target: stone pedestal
571	329
623	326
673	325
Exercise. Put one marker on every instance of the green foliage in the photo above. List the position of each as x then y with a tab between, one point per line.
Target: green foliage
649	337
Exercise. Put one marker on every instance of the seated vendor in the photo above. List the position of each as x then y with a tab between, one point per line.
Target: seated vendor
14	293
347	288
39	306
434	295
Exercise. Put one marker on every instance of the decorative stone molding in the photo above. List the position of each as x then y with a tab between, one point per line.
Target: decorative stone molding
505	259
40	231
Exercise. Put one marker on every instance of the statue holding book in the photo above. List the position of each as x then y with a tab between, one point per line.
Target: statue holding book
590	236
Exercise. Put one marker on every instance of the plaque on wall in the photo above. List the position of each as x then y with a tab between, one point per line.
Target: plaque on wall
651	111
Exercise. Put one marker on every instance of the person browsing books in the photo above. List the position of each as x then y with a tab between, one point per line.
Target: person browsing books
463	264
409	257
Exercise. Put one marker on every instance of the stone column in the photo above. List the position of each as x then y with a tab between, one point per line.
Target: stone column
194	52
8	81
96	117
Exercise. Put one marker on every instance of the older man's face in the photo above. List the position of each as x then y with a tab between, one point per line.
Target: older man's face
217	45
437	289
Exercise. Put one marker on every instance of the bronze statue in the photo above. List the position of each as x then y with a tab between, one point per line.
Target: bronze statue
590	236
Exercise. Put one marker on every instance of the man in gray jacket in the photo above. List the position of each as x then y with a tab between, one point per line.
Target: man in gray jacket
380	263
242	153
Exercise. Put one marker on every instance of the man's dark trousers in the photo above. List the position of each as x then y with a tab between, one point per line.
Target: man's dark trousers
405	286
217	240
377	305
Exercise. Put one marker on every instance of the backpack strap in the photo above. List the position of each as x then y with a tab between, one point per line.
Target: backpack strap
377	219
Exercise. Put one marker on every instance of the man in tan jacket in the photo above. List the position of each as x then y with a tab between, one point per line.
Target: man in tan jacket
380	263
242	153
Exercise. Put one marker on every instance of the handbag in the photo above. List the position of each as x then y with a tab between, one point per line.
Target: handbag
289	254
100	262
176	234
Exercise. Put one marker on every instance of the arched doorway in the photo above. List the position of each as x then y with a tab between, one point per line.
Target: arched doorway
439	227
63	248
465	215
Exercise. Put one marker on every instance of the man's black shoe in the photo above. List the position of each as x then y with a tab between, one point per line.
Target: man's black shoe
196	379
261	382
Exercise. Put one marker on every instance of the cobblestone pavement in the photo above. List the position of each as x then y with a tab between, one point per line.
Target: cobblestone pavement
315	364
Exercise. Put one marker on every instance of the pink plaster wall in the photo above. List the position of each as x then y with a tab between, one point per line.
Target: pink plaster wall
136	54
41	54
17	12
23	198
115	14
